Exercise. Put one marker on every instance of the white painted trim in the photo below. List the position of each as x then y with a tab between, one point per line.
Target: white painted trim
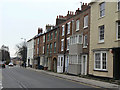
101	41
62	40
63	26
117	32
84	42
77	29
67	43
101	52
85	65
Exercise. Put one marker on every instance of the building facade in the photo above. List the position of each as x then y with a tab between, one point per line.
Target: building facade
104	51
30	52
79	42
36	55
64	40
51	47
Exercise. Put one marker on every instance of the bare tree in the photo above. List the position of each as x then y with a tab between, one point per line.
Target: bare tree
5	54
22	52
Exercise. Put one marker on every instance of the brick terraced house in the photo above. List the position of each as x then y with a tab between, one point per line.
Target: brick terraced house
79	42
82	43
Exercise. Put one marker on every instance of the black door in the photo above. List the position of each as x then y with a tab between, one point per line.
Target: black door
28	62
116	63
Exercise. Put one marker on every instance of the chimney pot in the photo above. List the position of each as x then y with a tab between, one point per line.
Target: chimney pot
68	12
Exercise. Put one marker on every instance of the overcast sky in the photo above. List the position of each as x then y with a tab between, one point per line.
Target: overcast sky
21	18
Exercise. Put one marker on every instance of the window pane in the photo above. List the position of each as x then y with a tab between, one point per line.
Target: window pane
61	61
102	9
63	29
68	32
85	40
104	60
118	4
97	61
118	30
77	25
86	21
101	37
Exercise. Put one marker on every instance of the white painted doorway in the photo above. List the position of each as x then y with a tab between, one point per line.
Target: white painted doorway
60	63
84	65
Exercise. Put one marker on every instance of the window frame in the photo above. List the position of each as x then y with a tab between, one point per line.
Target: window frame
54	47
43	49
47	48
118	5
43	38
51	36
50	47
118	30
68	28
101	41
48	36
102	9
101	60
77	25
38	40
68	47
63	30
85	26
62	45
55	34
85	43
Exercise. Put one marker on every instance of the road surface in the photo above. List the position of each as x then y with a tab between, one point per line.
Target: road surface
16	77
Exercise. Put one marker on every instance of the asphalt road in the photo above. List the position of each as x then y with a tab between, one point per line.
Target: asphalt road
16	77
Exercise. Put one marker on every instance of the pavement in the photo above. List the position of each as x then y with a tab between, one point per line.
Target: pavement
89	82
1	78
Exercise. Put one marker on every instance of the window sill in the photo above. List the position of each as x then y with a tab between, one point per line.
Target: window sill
84	46
100	70
77	30
68	33
117	40
101	42
101	17
85	27
117	11
67	49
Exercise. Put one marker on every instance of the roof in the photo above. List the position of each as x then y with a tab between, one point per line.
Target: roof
60	24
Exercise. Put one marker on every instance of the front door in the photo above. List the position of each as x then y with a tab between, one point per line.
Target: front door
55	65
60	64
84	65
28	62
116	63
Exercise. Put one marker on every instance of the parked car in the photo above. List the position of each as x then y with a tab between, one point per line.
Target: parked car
10	64
2	65
40	67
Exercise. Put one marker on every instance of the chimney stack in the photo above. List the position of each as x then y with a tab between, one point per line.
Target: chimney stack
84	6
40	30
